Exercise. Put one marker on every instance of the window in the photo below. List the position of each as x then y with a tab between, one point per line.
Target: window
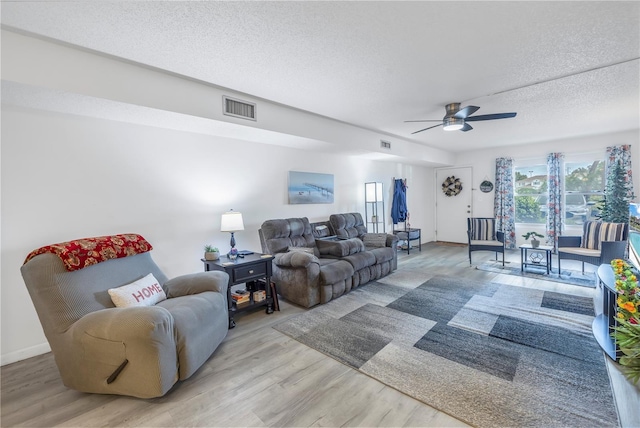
531	193
584	187
584	183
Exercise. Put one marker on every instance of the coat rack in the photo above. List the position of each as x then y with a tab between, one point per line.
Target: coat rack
406	233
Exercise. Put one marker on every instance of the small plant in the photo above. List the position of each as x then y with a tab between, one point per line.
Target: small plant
211	252
530	234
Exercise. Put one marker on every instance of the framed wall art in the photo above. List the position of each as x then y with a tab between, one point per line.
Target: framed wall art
310	188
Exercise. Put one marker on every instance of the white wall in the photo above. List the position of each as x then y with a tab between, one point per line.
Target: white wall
95	146
67	177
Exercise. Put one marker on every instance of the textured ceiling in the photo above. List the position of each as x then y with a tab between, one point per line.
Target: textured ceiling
567	68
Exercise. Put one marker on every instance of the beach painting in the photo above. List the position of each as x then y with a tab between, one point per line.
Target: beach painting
310	188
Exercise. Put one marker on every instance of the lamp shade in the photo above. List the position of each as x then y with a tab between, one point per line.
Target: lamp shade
231	222
373	192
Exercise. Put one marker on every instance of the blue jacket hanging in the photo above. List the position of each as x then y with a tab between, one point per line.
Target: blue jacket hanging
399	205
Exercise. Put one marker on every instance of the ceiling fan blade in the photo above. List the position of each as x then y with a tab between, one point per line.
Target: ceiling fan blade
490	116
426	120
466	111
466	127
434	126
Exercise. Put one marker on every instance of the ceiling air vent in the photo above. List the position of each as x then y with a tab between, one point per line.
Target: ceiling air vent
385	144
238	108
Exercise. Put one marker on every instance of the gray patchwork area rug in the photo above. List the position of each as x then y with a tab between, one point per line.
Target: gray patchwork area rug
574	277
488	354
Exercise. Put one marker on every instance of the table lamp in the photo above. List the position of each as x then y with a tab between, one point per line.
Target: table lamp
232	222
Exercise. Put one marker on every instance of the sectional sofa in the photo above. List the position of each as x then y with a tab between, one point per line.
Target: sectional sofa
315	263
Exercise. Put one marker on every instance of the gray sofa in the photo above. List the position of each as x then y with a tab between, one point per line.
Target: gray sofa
313	264
351	225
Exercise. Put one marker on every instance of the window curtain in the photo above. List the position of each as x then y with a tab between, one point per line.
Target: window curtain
504	202
555	183
621	155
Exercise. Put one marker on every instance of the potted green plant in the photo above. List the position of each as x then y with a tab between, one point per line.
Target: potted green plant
211	252
535	243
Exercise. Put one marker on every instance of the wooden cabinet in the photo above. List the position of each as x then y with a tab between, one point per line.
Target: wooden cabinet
252	268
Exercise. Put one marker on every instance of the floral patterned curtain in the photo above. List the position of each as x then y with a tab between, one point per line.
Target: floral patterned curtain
504	202
555	180
622	155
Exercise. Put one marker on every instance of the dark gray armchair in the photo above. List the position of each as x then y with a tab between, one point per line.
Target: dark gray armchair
483	236
600	243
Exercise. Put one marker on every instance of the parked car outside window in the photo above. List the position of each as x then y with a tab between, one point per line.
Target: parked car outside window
577	207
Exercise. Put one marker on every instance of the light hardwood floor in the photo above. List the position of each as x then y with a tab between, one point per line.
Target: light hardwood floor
260	377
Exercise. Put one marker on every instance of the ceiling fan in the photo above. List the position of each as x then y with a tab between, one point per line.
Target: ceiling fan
457	118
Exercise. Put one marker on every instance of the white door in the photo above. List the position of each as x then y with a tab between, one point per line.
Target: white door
452	211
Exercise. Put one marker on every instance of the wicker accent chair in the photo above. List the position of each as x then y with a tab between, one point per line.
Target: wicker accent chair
600	243
483	236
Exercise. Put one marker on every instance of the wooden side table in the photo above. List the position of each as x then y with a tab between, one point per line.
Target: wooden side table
252	267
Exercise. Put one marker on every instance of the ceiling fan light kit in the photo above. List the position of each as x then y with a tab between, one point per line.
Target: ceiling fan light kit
452	124
456	118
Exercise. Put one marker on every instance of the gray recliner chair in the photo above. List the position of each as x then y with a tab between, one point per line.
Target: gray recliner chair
139	351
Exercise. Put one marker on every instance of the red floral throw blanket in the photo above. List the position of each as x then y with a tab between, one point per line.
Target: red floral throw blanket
81	253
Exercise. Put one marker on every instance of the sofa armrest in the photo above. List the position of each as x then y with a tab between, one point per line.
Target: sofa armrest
195	283
294	259
569	241
341	248
499	235
392	241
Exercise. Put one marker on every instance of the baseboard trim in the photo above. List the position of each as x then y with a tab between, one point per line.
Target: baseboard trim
23	354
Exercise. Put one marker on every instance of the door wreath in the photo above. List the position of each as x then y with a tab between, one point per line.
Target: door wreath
452	186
